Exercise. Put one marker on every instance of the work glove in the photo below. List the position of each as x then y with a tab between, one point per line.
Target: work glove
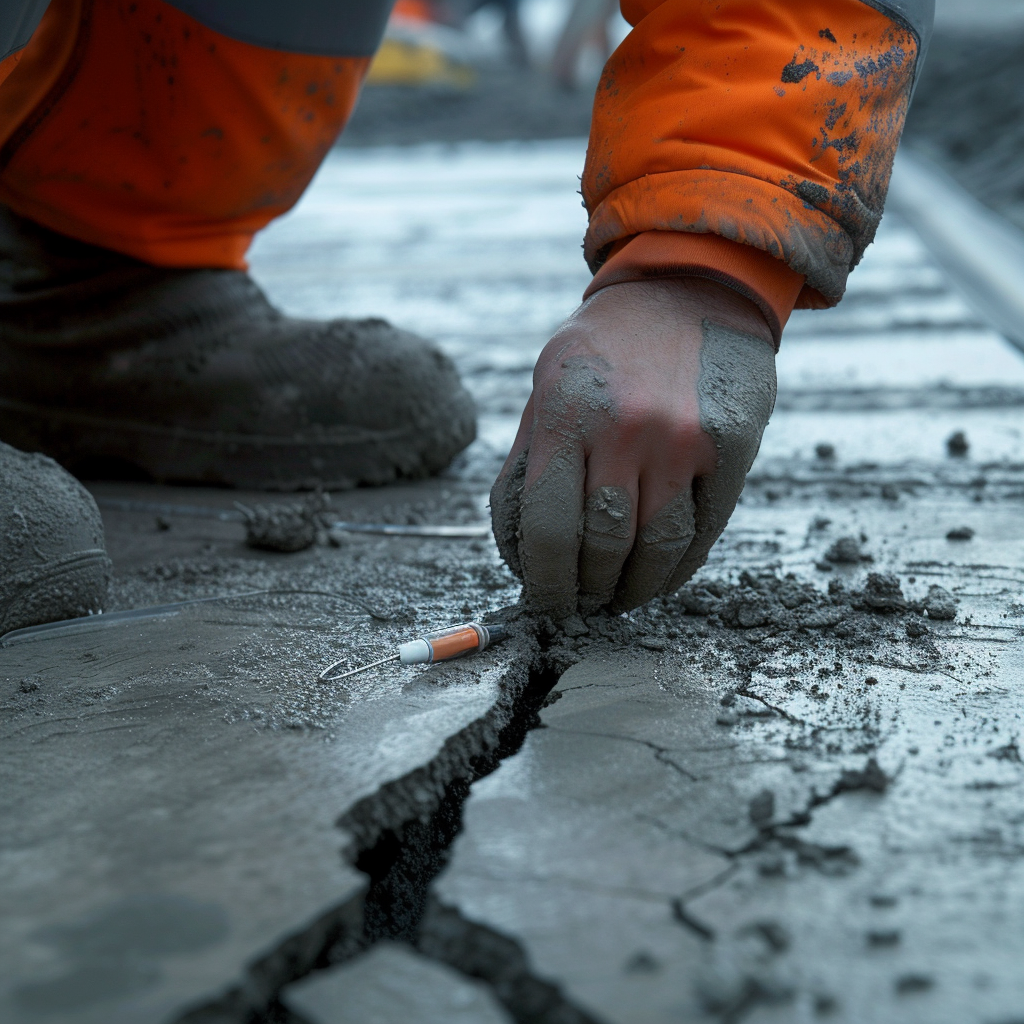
647	410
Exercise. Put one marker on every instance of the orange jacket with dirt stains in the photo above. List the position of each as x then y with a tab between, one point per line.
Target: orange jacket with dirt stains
748	141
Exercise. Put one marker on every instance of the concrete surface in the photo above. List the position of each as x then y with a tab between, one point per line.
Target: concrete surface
171	789
392	984
170	803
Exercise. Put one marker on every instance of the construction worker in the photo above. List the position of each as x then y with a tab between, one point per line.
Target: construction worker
738	163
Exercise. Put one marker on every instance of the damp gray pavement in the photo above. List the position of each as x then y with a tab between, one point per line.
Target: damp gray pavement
790	793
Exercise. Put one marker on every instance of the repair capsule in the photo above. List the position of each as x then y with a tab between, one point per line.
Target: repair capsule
453	642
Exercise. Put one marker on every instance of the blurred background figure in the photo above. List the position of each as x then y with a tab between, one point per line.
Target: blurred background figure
587	25
511	24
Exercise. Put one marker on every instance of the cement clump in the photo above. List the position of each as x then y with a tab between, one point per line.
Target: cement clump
940	604
846	551
291	527
957	445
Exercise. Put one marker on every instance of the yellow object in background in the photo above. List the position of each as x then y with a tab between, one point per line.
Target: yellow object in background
406	62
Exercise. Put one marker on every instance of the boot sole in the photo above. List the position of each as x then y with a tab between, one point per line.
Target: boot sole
337	459
61	589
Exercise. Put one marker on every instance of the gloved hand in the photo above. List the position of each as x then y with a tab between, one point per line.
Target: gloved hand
647	410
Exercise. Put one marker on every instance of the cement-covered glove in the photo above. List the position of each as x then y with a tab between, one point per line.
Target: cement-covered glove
647	411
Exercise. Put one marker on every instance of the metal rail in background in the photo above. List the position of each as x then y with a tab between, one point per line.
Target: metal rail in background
982	252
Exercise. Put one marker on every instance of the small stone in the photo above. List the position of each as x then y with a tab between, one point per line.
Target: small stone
870	777
642	963
697	600
825	450
652	643
1009	752
916	628
890	492
940	604
910	984
883	593
883	939
771	865
163	524
28	686
845	551
957	444
825	1005
960	533
727	718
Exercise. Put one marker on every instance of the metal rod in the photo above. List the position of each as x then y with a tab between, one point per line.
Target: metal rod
469	531
402	530
326	677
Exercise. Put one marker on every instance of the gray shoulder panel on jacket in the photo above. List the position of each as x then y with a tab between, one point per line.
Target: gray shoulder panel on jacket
327	28
18	20
918	14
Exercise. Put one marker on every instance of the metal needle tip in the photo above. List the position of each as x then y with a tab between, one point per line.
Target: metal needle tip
326	677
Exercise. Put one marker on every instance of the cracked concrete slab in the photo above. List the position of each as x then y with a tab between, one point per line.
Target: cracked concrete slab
173	788
392	984
787	817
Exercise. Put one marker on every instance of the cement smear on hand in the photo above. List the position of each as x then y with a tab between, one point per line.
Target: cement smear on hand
607	531
659	547
545	523
736	390
506	500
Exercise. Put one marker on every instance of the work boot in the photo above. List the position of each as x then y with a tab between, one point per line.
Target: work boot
121	369
52	561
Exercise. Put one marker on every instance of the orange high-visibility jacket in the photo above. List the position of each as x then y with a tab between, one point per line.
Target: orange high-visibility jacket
748	141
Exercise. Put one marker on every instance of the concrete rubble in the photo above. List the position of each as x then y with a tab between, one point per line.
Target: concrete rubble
789	793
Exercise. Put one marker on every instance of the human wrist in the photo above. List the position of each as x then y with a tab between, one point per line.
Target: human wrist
767	283
683	302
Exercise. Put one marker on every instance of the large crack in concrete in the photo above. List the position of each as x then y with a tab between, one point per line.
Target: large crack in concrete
498	960
399	838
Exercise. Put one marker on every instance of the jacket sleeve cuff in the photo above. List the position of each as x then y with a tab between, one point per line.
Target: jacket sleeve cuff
767	282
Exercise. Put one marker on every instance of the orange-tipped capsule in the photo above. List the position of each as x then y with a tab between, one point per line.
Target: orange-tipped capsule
453	642
439	645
